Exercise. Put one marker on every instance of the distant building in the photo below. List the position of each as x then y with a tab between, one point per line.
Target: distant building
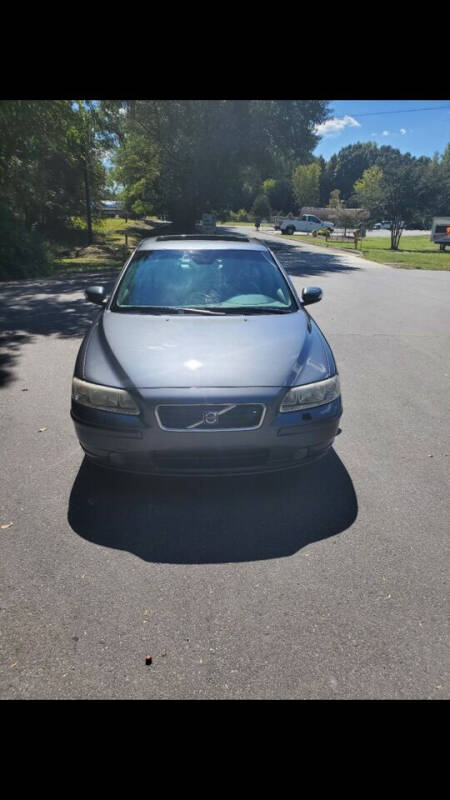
322	213
338	215
112	208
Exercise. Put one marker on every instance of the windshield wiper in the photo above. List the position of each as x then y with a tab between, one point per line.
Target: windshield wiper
201	310
254	310
262	310
169	310
215	310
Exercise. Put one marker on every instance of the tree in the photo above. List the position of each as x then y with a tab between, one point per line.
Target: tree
348	165
335	199
137	171
305	182
39	180
370	189
213	153
89	137
434	187
395	189
350	218
279	193
261	207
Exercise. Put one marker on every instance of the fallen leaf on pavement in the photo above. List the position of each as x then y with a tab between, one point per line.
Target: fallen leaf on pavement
41	430
8	525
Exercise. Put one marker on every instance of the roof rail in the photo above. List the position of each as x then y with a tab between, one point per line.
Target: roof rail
203	237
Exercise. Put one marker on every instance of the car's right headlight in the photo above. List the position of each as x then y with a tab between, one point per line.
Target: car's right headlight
104	398
311	395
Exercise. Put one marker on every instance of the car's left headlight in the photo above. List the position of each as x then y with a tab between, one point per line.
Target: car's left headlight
311	395
104	398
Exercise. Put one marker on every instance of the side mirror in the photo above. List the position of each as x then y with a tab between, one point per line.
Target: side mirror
96	294
311	294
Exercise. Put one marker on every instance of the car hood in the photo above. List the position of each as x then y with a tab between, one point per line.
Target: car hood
149	351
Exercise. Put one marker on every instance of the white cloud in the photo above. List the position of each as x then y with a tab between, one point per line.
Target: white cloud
385	133
333	127
402	131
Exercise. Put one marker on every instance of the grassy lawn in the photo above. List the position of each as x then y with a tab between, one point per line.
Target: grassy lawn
415	252
231	224
109	248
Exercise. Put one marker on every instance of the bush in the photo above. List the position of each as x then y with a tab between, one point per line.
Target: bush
240	216
261	207
23	253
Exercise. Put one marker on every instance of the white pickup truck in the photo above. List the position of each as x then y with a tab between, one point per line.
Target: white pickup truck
306	224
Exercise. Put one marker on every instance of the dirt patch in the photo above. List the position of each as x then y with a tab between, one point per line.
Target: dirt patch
93	250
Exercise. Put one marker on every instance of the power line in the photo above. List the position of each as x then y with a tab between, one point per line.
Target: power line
403	111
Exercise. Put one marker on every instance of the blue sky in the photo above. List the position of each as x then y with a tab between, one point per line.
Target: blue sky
410	129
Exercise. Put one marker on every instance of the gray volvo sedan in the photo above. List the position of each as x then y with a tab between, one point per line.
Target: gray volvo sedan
205	361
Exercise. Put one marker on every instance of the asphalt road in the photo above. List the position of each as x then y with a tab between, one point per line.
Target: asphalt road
324	583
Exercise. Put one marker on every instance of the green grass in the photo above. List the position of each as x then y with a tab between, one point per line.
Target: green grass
86	264
415	252
109	243
231	224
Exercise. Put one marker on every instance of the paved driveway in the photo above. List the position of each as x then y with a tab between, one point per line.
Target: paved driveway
325	583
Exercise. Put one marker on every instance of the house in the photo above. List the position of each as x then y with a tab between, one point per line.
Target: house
342	217
111	208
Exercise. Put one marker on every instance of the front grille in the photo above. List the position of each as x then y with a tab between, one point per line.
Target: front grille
212	417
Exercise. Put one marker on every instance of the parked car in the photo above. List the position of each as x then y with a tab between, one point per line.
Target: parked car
203	360
382	226
305	224
385	226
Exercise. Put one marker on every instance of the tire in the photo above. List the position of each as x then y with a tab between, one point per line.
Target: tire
290	230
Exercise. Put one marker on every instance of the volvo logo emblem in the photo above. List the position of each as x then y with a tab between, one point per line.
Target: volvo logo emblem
210	417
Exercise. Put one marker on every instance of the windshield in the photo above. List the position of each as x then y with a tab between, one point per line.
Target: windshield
227	281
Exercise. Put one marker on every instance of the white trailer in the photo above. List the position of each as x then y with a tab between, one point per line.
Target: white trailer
440	231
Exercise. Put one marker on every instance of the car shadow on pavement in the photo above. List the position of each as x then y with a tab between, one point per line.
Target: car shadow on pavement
10	344
303	263
213	520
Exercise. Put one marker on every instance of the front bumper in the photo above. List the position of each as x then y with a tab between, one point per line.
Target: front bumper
139	444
